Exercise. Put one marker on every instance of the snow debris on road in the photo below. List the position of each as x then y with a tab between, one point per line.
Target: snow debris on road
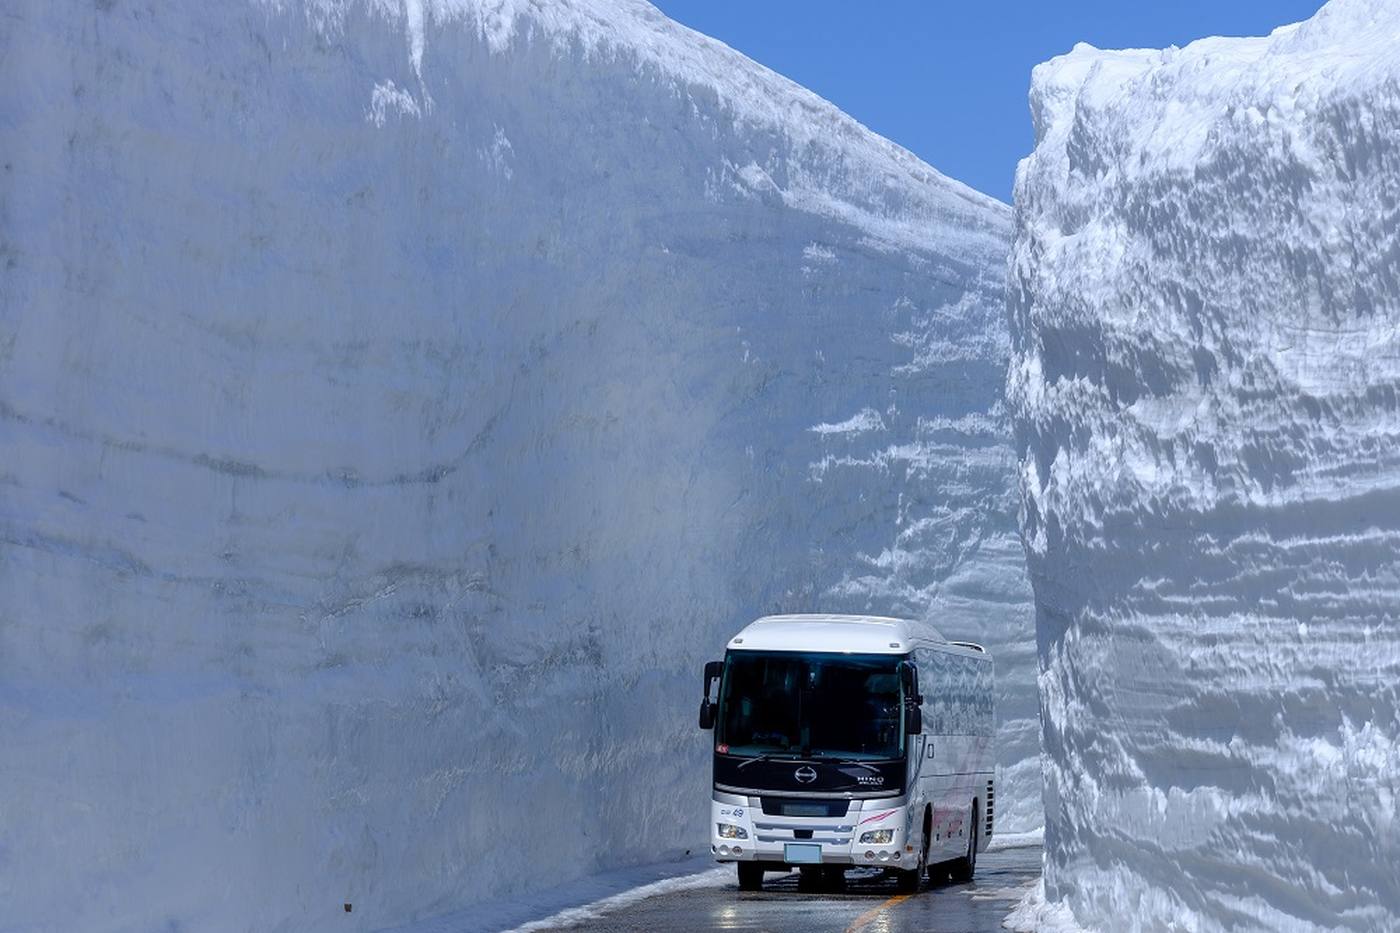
714	878
1036	915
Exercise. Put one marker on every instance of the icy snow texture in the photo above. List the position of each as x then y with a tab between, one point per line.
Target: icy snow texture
1206	390
399	403
1033	914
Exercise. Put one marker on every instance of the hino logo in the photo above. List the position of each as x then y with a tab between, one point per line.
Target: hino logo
805	775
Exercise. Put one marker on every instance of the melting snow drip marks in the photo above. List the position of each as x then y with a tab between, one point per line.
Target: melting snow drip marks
413	16
390	99
498	154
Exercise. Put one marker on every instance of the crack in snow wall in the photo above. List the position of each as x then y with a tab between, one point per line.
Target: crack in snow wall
398	409
1206	389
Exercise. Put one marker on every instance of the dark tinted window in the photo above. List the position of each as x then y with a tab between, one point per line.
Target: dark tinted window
811	705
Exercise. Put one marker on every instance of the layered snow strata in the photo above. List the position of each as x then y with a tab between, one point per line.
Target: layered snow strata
1206	389
401	402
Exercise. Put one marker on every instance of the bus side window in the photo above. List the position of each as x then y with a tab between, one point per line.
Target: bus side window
933	677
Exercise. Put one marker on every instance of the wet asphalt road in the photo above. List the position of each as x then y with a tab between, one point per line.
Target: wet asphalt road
868	904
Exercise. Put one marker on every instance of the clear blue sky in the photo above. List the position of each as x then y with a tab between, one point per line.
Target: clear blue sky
948	80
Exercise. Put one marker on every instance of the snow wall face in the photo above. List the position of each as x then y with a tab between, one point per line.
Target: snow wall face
1206	367
399	406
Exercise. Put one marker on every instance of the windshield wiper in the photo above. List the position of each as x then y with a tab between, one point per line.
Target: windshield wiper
766	757
847	761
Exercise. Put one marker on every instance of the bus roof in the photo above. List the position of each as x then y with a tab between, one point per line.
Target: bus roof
851	634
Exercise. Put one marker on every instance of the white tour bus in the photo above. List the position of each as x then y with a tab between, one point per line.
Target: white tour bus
828	756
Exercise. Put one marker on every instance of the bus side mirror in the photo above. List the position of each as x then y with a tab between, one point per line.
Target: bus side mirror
909	680
913	715
713	670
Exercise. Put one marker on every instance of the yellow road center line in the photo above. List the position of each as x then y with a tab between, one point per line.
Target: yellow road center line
864	919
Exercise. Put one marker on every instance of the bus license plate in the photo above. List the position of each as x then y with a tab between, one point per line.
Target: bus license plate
802	854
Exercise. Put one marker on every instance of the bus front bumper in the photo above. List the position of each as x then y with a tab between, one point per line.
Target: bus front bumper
741	832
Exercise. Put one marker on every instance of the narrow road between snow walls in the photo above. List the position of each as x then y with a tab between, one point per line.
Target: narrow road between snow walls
868	903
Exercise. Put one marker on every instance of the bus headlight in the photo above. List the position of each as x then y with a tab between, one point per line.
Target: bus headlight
730	831
877	837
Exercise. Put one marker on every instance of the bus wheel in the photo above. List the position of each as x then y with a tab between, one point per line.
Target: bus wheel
938	873
750	876
965	867
907	881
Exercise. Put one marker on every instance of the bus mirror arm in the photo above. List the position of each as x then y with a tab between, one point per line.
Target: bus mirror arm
713	670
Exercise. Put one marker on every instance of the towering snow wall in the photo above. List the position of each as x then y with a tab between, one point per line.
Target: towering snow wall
400	402
1206	391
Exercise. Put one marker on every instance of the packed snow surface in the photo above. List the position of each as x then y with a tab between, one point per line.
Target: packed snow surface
1206	388
401	401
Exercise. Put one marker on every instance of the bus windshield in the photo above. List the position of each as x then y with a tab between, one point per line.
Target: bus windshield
800	705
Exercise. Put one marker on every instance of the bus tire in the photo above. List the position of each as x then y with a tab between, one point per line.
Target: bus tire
750	876
964	868
907	881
